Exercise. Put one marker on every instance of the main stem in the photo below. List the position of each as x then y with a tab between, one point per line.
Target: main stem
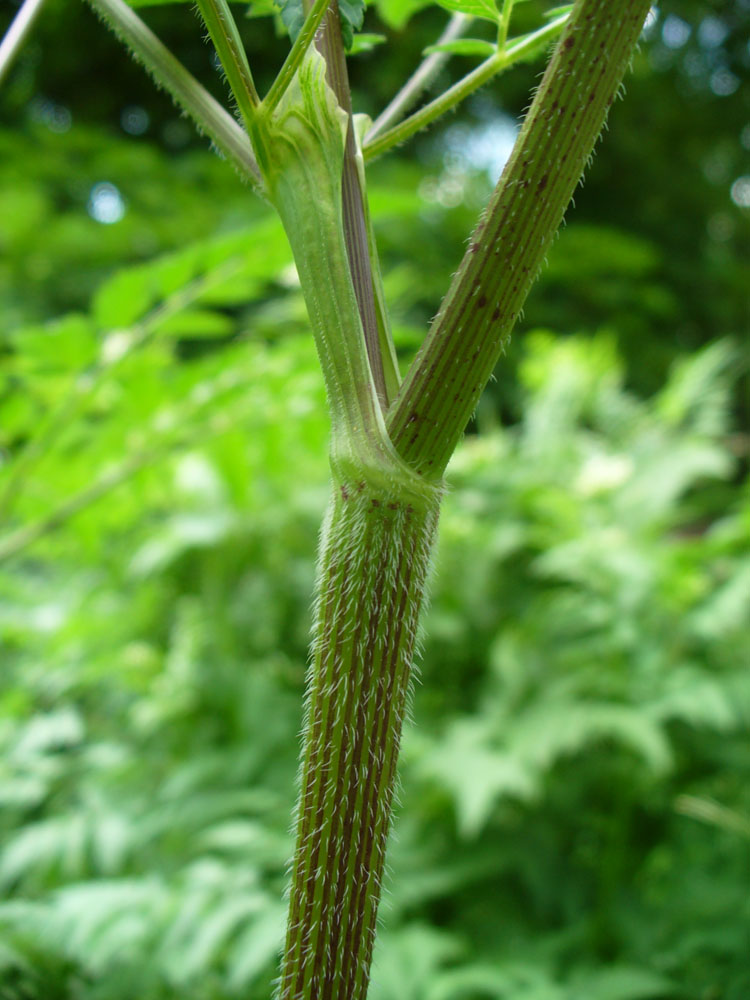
374	556
383	513
331	46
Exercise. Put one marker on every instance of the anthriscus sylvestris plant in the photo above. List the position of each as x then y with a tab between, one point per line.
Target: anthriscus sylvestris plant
305	151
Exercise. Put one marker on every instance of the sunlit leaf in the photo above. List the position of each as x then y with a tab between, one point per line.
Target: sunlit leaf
464	47
486	9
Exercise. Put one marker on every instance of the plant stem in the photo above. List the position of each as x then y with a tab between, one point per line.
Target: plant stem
222	28
169	73
301	149
419	81
373	563
381	362
505	14
16	34
297	53
523	48
506	250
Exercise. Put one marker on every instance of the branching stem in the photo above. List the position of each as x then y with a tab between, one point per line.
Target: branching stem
222	28
505	253
296	54
187	93
518	51
419	81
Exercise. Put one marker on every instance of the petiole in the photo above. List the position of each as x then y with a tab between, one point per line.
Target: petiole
296	54
222	28
520	49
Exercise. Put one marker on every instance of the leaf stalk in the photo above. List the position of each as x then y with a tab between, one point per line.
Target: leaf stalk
517	51
224	34
187	92
296	54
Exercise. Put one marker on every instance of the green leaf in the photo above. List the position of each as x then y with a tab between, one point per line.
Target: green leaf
196	323
486	9
293	16
395	13
262	8
352	14
123	298
464	47
365	42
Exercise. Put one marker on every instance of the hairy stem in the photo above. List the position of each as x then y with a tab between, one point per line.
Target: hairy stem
419	81
187	93
443	386
517	51
373	562
353	196
222	28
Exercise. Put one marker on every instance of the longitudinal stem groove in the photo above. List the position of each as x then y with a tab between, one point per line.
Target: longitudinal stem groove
374	559
443	386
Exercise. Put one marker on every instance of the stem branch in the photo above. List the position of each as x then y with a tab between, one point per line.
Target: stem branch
419	81
169	73
523	48
506	250
222	28
16	34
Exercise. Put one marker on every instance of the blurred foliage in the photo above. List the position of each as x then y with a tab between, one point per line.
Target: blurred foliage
575	806
583	714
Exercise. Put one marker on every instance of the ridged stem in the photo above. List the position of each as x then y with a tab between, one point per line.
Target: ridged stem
442	388
380	352
374	557
188	94
520	50
222	28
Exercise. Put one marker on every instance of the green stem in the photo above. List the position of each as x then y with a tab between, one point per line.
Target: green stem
382	361
420	80
523	48
301	150
16	34
373	563
502	31
296	54
187	93
222	28
506	251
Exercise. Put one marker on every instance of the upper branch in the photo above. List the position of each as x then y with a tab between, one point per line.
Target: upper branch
354	209
422	78
169	73
477	315
222	28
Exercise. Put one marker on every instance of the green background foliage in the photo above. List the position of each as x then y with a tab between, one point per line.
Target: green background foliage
575	815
